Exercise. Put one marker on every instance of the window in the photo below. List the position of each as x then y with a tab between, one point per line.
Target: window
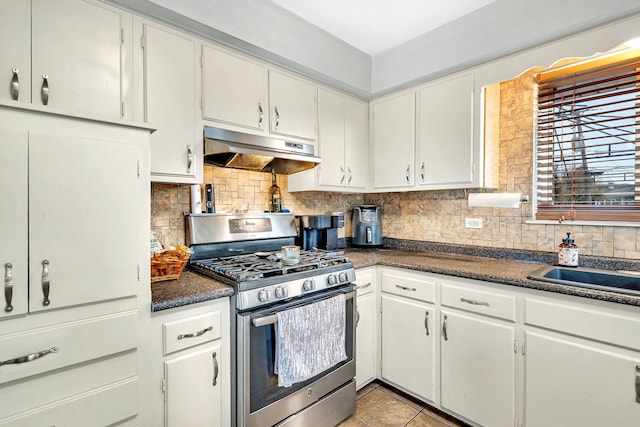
588	139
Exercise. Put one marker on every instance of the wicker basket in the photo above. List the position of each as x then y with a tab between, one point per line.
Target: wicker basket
168	265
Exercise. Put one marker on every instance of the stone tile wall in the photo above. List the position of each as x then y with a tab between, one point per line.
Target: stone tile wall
435	216
239	190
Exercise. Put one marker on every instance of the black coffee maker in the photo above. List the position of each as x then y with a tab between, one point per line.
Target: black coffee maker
319	231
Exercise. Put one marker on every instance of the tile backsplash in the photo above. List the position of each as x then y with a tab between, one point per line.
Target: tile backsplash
435	216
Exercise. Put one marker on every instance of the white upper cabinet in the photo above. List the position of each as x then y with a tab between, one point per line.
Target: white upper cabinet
445	141
234	90
73	55
292	106
79	197
15	50
343	145
14	220
169	74
393	141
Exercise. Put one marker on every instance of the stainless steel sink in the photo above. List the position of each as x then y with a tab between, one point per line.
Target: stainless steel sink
590	278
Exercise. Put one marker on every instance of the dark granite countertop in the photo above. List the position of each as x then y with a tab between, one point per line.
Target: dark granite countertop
193	287
503	271
190	288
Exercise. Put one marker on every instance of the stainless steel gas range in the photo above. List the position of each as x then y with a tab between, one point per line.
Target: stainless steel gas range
243	250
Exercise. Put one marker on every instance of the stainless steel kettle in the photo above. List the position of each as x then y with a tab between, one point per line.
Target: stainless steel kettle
367	226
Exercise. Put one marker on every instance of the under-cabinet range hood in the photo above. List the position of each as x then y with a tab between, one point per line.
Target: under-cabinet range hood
245	151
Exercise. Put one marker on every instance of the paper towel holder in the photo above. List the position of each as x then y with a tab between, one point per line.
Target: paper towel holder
497	200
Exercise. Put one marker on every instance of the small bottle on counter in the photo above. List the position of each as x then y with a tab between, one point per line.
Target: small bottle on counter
276	196
568	252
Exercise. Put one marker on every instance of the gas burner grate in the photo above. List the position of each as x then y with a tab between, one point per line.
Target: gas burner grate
245	268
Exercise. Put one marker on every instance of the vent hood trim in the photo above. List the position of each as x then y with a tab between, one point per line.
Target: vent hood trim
239	150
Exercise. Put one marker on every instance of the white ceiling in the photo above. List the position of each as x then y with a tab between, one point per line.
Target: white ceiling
375	26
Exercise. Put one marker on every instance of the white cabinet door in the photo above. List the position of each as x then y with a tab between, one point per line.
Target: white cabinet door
445	133
79	56
393	141
408	347
193	394
83	231
170	76
331	135
356	143
366	339
478	369
234	90
573	382
292	106
15	50
13	221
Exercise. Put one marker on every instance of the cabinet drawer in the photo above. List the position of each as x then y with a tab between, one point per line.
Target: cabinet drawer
582	320
38	391
365	280
101	407
479	301
410	285
67	344
185	333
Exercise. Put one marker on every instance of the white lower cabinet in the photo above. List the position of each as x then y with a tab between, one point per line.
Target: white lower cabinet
193	388
366	326
582	364
478	369
189	354
408	333
507	356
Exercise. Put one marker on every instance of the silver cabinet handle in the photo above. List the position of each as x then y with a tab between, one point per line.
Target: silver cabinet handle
15	84
426	322
350	175
46	283
342	179
444	329
277	118
189	158
216	369
474	302
405	288
8	287
260	114
195	334
407	173
638	383
44	91
366	285
422	171
30	357
357	317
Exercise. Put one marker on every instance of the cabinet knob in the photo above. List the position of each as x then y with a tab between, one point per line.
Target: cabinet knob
260	114
275	109
44	90
8	287
46	282
189	158
15	84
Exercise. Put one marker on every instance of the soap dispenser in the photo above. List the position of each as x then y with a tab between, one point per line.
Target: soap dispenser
568	252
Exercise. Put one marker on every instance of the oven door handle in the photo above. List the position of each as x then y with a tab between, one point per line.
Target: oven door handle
273	318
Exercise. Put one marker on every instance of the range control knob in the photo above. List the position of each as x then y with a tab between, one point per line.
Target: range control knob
332	279
344	278
281	292
309	285
264	295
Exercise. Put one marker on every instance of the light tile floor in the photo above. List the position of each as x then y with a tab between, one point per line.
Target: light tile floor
378	405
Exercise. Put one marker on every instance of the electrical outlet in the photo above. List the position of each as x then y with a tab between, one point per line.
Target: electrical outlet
473	222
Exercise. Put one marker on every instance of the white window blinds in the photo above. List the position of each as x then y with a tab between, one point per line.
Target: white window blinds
588	140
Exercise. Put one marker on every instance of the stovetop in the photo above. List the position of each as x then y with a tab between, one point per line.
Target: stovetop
253	267
262	280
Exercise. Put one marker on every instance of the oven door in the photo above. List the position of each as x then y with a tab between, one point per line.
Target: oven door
260	402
